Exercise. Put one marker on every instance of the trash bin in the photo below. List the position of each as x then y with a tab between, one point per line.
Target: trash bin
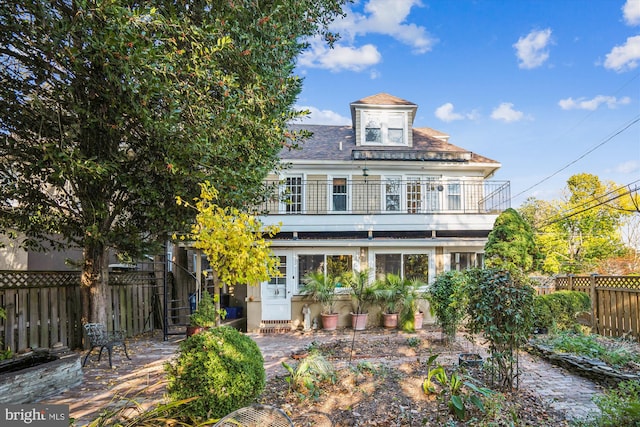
192	302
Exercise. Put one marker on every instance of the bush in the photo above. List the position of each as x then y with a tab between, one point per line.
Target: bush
558	310
221	366
500	307
447	302
620	406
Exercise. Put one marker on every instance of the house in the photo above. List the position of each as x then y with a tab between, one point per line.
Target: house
378	194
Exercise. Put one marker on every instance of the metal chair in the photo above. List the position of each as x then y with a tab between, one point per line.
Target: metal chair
256	416
100	337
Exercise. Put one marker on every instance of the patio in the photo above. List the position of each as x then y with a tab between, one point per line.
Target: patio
141	379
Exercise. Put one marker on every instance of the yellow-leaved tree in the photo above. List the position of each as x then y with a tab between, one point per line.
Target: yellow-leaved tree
234	242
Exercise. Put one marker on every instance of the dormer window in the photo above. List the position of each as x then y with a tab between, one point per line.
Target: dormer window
373	132
384	128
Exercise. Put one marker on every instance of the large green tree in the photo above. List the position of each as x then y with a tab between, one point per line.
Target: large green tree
577	233
511	244
109	109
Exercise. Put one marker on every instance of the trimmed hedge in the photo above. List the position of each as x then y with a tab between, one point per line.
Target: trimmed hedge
558	310
222	367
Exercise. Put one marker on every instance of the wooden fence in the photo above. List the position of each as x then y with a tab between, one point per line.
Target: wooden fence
615	302
44	308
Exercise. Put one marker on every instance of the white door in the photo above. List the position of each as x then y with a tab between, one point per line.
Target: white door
276	293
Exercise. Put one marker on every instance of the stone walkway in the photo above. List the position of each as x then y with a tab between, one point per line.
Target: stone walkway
141	380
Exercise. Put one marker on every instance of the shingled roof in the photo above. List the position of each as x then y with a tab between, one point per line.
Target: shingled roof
338	143
383	99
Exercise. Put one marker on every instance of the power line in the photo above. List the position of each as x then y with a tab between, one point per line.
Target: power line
598	197
629	191
627	126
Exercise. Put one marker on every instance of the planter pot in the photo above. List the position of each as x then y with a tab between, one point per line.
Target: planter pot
390	320
418	318
329	321
470	359
359	321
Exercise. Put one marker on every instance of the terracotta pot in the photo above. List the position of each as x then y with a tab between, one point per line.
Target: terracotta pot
329	321
192	330
390	320
418	318
359	321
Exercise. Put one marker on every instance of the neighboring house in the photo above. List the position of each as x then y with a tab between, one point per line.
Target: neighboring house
379	194
12	257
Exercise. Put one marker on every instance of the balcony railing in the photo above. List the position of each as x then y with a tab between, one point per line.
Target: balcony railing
296	196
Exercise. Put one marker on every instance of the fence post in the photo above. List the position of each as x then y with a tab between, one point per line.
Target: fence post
570	282
594	304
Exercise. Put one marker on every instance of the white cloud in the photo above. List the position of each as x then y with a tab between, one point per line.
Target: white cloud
322	117
506	113
631	12
628	167
446	114
532	50
340	57
387	17
592	104
625	57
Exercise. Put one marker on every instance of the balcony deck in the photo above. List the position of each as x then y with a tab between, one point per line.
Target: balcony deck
374	205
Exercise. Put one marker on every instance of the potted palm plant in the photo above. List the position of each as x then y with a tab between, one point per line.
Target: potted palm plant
362	297
411	317
205	316
388	291
321	288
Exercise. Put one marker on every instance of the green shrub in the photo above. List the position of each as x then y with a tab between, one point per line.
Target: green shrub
620	406
500	308
447	302
222	366
558	310
309	373
612	352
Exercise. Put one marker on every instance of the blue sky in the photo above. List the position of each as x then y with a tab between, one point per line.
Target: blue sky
549	88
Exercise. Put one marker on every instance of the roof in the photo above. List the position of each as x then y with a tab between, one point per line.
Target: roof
383	99
338	143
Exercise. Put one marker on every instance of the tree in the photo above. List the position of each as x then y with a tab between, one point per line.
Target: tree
578	233
233	242
511	244
109	109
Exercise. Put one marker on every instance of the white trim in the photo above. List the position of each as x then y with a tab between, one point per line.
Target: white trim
348	184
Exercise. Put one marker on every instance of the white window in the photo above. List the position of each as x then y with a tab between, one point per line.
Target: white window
291	195
339	194
373	131
384	128
406	265
414	195
454	196
463	260
333	265
392	193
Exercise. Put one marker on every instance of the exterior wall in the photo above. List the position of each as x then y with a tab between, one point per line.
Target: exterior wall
343	307
318	198
11	257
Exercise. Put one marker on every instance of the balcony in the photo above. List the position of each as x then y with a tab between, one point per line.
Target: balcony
341	196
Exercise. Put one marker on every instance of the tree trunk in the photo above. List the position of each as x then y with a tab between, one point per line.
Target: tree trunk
216	295
94	284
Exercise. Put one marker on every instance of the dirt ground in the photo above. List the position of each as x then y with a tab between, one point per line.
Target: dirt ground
380	383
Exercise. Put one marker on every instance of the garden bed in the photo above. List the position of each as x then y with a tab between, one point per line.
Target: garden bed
379	382
37	375
604	360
